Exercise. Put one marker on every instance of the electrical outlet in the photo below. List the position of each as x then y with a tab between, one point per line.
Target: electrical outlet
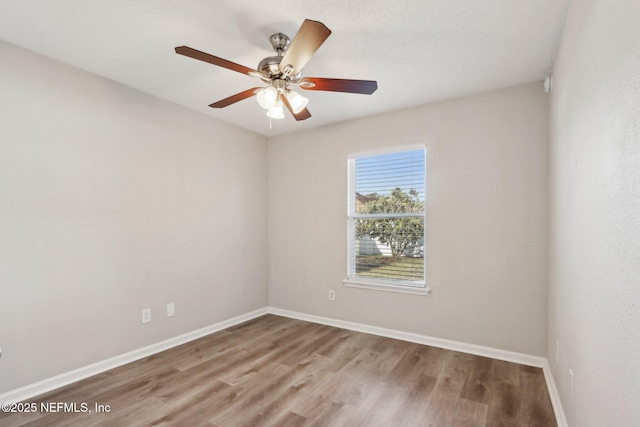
571	383
332	295
146	315
171	309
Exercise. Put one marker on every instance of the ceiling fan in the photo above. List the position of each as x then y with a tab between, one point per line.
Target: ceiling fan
282	72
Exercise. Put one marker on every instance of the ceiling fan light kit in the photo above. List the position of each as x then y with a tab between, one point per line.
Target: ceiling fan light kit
283	71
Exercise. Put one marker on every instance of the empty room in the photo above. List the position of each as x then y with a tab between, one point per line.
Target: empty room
337	213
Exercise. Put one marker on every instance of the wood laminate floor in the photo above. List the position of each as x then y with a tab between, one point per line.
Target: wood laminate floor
276	371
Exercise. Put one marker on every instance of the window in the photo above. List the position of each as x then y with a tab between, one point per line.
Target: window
386	221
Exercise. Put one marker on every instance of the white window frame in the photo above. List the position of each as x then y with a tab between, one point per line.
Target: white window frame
408	287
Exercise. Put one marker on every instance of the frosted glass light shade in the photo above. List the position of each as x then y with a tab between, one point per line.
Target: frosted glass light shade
276	112
267	97
297	101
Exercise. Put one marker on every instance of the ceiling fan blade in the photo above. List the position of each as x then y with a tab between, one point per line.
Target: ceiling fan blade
302	115
235	98
365	87
196	54
309	38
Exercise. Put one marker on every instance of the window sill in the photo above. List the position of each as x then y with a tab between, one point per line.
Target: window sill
385	286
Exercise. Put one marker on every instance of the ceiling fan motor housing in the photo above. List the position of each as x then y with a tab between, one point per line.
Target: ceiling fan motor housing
269	66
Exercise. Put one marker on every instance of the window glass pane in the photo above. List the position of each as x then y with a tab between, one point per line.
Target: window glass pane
390	248
390	183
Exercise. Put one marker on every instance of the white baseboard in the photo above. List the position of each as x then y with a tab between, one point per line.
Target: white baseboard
67	378
508	356
561	418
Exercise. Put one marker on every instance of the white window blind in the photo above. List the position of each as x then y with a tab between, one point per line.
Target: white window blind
386	218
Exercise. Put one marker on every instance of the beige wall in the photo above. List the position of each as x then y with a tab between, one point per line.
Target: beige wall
487	161
112	201
594	305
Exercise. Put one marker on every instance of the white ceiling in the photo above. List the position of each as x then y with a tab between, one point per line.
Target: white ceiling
419	51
